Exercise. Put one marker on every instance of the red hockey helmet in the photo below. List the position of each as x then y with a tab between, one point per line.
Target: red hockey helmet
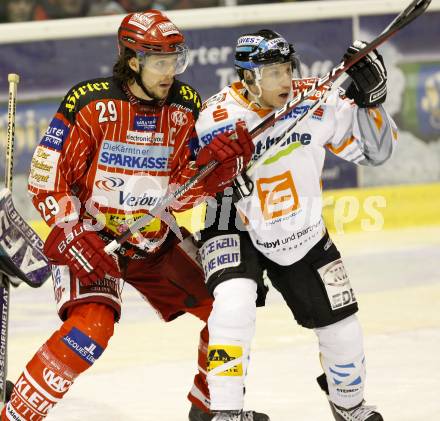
150	32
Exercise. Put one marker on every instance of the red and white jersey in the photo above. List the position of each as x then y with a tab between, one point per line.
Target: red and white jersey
110	156
284	212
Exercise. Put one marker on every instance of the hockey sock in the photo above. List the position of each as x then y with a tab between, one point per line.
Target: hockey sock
231	329
343	361
199	394
69	351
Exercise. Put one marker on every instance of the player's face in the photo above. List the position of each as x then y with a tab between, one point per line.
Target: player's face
158	73
276	85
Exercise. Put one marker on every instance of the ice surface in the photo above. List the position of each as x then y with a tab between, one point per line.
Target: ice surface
147	370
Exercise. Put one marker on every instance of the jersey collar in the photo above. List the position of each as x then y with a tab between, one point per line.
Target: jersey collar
237	91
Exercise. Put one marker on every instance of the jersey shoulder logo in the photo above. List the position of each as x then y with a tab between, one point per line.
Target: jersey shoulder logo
186	96
190	95
83	91
88	91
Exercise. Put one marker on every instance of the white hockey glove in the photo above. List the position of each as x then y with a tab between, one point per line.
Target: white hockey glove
369	88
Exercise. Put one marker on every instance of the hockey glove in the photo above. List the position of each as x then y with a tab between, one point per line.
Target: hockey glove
369	88
83	251
233	151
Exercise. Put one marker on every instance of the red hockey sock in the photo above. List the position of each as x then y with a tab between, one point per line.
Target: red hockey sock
69	351
199	394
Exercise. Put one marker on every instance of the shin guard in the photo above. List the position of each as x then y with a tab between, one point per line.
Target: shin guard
231	329
199	394
69	351
343	361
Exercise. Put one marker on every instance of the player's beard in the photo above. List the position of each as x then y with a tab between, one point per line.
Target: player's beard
156	93
163	93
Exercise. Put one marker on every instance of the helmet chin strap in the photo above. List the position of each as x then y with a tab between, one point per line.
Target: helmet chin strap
256	83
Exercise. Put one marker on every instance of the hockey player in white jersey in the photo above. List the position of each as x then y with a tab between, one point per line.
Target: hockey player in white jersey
282	230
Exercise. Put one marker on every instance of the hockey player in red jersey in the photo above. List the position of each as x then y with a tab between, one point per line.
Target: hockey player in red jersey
110	154
282	230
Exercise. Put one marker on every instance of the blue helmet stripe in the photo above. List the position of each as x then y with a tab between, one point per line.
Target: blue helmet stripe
245	48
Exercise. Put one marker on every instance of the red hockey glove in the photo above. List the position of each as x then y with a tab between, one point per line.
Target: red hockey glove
83	251
233	151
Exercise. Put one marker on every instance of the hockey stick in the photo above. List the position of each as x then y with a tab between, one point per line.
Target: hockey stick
295	126
13	80
415	9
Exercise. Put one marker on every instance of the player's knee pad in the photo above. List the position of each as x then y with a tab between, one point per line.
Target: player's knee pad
343	361
341	340
68	352
84	335
231	328
234	310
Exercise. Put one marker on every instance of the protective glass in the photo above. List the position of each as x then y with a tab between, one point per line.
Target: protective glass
162	63
272	76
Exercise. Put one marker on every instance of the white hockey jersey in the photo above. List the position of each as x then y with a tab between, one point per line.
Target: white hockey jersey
284	212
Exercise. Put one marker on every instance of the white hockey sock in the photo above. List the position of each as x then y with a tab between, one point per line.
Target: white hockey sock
343	361
231	328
